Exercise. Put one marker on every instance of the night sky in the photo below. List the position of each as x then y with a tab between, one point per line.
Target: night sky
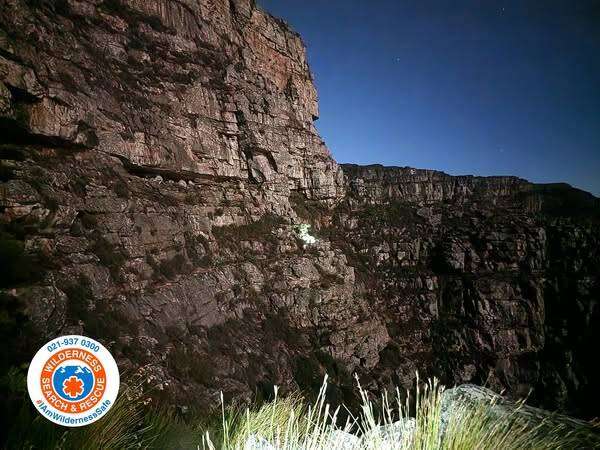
467	87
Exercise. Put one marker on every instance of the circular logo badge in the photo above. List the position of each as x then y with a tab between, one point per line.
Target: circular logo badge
73	380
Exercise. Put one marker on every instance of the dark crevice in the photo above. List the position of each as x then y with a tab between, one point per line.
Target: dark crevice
13	57
269	157
250	148
173	175
21	95
14	132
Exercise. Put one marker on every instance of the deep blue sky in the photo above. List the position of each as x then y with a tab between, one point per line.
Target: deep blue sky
468	87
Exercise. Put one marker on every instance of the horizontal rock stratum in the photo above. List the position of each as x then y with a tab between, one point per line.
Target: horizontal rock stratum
157	158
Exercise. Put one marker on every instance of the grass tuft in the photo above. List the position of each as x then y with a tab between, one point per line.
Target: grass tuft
440	420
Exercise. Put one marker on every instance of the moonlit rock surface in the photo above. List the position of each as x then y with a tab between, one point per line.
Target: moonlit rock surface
396	435
255	442
208	285
304	234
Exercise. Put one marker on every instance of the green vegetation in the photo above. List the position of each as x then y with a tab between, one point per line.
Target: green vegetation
198	250
290	423
97	315
261	230
128	425
390	214
305	208
236	238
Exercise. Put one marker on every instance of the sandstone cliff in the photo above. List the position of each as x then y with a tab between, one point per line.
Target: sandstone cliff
156	156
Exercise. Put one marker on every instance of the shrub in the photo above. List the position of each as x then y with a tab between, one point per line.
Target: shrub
125	426
198	250
260	230
304	208
290	423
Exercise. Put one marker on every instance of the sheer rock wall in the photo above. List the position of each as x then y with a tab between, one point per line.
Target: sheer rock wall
492	279
156	156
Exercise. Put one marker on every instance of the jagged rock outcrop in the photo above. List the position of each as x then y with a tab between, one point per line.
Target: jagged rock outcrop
156	158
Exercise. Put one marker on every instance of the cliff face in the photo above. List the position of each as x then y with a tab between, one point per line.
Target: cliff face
493	279
156	156
214	91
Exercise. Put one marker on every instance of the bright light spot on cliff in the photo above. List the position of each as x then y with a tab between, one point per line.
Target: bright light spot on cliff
304	235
